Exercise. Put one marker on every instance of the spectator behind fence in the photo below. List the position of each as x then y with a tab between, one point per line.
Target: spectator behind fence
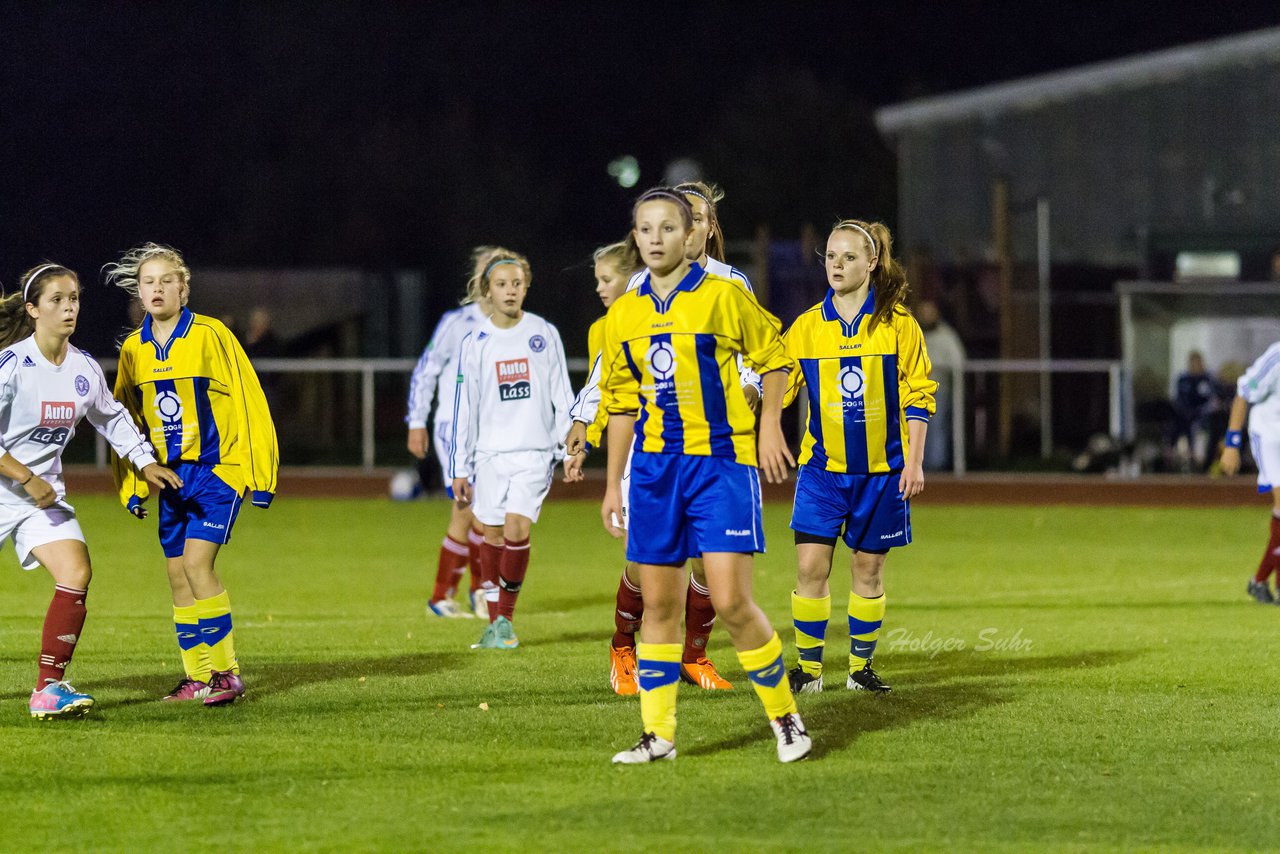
946	352
1196	399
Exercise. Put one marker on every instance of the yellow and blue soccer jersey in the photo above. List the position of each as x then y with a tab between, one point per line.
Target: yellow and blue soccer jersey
673	362
198	400
864	384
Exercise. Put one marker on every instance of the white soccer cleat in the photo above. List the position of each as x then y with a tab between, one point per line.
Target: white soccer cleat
794	743
448	608
649	748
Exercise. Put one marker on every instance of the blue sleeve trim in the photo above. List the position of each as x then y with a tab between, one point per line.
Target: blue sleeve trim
134	503
262	499
917	413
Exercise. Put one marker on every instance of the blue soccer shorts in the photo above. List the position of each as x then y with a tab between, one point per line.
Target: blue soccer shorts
684	506
867	508
205	508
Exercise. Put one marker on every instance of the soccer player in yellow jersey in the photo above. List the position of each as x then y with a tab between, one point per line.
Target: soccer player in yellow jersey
188	384
669	385
861	356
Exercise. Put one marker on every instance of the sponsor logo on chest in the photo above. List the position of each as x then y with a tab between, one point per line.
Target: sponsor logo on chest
513	379
57	413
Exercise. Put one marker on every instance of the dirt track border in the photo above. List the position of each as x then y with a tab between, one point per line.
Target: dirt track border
1151	490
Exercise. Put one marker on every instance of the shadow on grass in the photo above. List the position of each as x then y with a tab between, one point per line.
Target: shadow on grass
927	692
267	678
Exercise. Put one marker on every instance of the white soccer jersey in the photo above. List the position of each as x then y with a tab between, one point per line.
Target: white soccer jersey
40	406
1260	386
513	393
440	359
588	400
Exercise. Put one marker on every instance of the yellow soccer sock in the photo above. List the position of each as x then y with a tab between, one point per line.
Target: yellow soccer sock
195	655
866	616
214	616
658	666
769	677
810	617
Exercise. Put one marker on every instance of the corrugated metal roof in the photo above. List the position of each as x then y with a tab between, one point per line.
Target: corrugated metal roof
1262	46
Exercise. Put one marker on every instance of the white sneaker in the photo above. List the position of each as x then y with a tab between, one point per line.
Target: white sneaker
649	748
448	608
793	740
479	606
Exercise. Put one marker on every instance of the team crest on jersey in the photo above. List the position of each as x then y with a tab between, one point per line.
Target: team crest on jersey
662	360
853	383
57	417
168	407
537	343
513	379
82	386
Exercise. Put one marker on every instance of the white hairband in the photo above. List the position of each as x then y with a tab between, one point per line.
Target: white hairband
35	275
872	240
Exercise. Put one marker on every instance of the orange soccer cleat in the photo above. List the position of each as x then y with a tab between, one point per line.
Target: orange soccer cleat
622	670
703	674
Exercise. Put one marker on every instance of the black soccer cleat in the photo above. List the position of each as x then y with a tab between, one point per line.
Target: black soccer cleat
1261	592
867	679
804	683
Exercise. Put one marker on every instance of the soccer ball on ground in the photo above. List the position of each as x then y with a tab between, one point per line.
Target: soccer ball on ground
405	485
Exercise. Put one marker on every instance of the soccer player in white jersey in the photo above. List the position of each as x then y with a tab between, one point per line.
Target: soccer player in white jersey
1258	396
706	250
510	414
461	544
46	387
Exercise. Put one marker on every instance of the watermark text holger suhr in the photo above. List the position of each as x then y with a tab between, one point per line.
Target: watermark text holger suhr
988	640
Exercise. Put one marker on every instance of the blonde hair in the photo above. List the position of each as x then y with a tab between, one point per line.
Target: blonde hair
888	279
624	255
478	286
15	323
479	260
712	195
124	273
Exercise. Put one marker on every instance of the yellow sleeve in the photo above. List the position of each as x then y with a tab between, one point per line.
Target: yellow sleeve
795	377
619	389
259	453
915	389
132	489
595	343
761	333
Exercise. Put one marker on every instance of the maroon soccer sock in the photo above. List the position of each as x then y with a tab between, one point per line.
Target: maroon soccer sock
627	614
62	625
511	572
449	568
474	540
1271	557
490	561
699	618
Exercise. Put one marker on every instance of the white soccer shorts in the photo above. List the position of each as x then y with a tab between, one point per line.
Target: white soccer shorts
512	482
1266	453
31	528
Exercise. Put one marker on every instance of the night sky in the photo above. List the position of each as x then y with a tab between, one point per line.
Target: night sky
394	135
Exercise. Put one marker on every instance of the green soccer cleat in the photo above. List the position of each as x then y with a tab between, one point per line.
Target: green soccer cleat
505	634
488	640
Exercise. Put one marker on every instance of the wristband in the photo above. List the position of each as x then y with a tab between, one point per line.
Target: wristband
1235	438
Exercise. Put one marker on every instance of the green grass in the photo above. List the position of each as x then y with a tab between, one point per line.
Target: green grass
1135	713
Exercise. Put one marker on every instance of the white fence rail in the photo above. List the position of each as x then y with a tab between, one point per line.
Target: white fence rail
368	369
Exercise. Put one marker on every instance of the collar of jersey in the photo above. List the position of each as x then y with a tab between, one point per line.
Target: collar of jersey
185	319
690	282
849	329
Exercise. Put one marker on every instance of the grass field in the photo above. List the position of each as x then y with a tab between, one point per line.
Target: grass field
1112	692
